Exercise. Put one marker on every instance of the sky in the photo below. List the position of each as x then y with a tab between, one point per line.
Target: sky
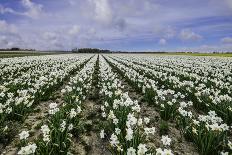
126	25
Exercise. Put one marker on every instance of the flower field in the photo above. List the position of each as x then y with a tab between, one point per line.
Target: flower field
120	104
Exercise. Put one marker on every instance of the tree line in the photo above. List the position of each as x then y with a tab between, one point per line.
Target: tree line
90	50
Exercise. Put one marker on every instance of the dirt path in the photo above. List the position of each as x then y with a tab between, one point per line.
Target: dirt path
89	142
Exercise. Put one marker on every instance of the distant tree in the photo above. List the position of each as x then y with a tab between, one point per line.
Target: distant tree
89	50
15	49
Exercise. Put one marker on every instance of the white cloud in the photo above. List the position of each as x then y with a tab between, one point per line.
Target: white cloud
187	34
53	40
9	41
162	41
227	40
33	10
5	10
74	30
102	11
108	23
50	36
7	28
106	15
5	43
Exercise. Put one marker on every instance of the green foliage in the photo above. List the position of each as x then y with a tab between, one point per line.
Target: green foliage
168	111
163	128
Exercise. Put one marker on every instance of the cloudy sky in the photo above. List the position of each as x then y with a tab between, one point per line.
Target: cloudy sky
132	25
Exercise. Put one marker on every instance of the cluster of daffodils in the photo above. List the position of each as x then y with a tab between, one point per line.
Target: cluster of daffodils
213	122
182	79
64	119
128	132
26	81
46	133
24	135
207	82
166	142
208	132
53	108
193	92
79	85
29	148
168	100
169	88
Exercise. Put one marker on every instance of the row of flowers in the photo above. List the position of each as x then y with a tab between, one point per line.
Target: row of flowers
201	96
17	100
205	94
63	120
198	67
173	106
193	92
18	95
127	131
